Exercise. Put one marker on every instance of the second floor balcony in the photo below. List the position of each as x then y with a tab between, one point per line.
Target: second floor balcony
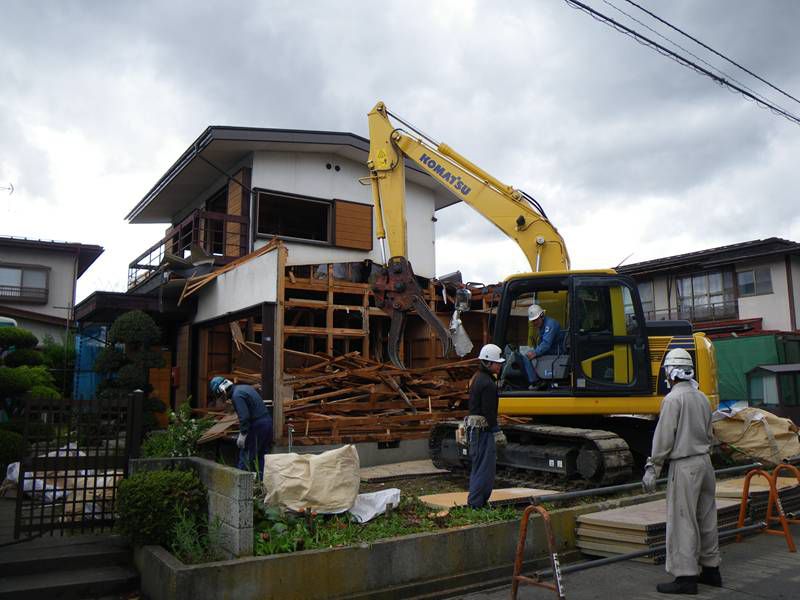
221	236
698	313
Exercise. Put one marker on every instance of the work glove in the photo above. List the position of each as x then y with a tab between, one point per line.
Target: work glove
500	440
649	479
240	440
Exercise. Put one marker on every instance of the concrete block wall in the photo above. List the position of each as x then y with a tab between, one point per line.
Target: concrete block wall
230	498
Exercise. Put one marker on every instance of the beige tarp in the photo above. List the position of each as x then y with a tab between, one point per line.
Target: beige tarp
324	483
754	433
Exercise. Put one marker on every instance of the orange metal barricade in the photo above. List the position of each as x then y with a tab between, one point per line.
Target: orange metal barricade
773	500
775	474
557	586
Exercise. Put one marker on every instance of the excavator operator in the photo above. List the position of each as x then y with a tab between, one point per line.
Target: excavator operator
550	340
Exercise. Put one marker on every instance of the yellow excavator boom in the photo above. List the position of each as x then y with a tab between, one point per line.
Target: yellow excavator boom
509	209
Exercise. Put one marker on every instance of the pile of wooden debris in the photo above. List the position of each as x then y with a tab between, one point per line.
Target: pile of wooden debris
351	399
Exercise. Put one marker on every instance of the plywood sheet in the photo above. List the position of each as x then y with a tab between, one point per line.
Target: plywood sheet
401	470
589	533
732	488
500	496
649	516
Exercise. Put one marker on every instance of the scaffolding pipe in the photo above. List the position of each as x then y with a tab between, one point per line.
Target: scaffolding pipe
625	487
591	564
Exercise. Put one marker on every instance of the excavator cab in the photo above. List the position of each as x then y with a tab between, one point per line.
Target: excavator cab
602	343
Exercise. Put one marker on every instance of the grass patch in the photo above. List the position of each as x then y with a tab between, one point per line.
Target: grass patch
277	532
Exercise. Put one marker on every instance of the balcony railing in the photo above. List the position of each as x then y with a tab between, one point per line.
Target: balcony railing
720	311
16	293
223	236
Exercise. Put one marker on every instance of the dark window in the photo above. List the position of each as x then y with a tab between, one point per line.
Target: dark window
23	284
294	217
790	389
754	282
218	203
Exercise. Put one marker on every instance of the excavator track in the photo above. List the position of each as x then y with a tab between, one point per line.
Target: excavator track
595	456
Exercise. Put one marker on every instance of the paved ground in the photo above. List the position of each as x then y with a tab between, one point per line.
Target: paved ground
760	567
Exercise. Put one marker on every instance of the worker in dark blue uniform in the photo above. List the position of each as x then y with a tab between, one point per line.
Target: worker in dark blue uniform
481	426
255	422
550	339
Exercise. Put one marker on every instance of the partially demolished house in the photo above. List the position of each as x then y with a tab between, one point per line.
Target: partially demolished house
262	276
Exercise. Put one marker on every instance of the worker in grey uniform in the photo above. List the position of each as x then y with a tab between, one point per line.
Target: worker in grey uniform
481	426
684	437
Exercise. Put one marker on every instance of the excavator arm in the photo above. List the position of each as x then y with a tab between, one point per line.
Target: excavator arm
512	211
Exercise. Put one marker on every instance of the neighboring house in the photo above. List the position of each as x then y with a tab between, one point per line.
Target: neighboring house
231	192
744	287
37	282
745	296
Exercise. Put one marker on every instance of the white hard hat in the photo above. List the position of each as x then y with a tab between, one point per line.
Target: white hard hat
491	353
534	312
678	357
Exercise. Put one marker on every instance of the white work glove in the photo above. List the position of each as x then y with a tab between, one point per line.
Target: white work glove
649	479
240	441
500	440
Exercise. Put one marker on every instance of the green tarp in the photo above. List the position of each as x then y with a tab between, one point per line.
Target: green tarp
737	356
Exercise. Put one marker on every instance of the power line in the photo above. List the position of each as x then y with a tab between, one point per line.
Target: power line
686	50
645	41
694	39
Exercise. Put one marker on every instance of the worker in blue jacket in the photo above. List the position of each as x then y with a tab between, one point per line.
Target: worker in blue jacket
550	339
255	422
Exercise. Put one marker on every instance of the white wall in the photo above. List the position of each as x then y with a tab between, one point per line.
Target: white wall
306	174
252	283
772	308
60	282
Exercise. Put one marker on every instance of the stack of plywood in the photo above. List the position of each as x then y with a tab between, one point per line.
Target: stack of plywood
788	491
352	399
637	527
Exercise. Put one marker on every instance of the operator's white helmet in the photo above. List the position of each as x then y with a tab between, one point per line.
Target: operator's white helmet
491	353
678	357
534	312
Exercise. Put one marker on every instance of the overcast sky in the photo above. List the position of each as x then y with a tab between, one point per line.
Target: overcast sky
628	152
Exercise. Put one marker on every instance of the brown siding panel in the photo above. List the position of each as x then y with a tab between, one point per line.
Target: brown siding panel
352	225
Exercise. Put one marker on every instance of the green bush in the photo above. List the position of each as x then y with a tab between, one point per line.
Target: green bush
149	504
180	438
16	337
134	327
24	357
12	448
13	382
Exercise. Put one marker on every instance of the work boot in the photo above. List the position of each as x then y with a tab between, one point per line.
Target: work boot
710	576
681	585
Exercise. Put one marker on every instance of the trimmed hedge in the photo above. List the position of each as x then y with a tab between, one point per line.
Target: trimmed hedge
12	449
24	357
150	502
17	337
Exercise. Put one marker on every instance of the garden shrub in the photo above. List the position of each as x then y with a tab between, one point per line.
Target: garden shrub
149	504
180	438
24	357
12	449
16	337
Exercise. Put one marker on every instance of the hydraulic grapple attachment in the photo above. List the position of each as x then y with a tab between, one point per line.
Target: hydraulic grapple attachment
396	293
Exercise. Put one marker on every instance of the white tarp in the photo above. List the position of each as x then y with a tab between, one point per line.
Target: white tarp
369	506
323	483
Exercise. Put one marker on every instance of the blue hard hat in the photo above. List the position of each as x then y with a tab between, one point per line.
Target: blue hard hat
215	382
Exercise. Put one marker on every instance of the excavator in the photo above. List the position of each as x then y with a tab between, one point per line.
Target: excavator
593	412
